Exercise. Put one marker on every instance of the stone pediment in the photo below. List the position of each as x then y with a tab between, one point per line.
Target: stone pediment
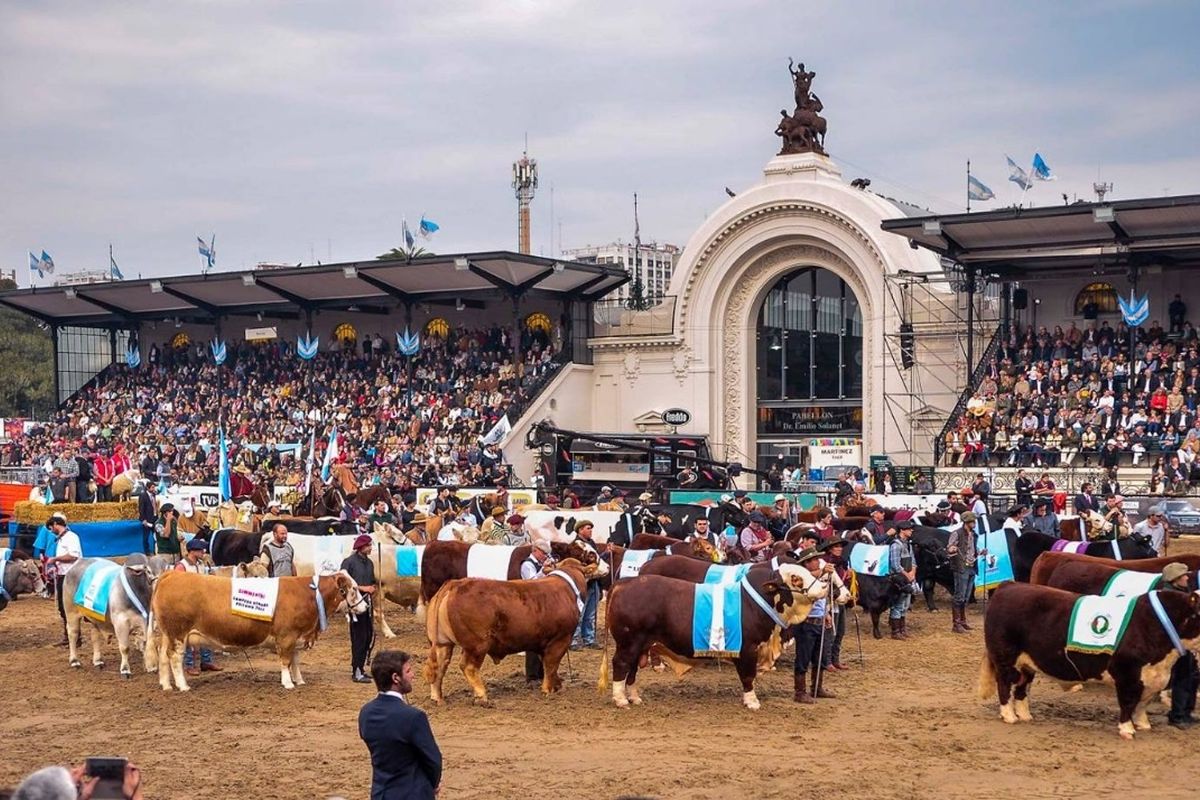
650	422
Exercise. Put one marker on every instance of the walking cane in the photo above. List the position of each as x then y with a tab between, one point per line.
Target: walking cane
858	635
824	626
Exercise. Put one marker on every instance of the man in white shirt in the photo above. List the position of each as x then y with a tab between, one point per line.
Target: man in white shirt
532	569
67	550
1154	526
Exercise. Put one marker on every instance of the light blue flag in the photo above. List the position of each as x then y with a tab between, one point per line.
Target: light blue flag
1040	170
208	250
307	346
976	189
217	348
114	271
428	227
331	452
225	485
47	263
409	241
1134	311
996	567
1018	175
35	265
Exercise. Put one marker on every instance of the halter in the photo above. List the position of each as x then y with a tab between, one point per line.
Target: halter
570	582
322	622
761	602
133	598
1167	626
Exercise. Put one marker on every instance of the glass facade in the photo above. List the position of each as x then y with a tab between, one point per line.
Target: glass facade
83	352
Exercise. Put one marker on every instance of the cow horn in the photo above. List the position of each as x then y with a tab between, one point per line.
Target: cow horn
136	568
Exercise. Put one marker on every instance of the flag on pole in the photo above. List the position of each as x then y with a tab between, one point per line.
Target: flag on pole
428	227
1040	170
331	452
209	251
114	271
498	431
35	265
47	263
1017	175
1135	311
312	459
224	483
977	190
409	241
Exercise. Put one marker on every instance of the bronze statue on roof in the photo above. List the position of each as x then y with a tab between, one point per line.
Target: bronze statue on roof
802	131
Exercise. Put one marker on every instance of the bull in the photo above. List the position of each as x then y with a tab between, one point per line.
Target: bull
489	618
1047	566
128	601
1025	549
18	576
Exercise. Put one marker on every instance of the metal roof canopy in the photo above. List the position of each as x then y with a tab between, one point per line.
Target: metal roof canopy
290	292
1020	244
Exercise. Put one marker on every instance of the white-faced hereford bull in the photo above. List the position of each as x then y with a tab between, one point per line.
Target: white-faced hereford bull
186	604
128	603
655	609
1026	631
498	618
19	575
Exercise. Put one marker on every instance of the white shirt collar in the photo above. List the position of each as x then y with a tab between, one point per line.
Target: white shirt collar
397	695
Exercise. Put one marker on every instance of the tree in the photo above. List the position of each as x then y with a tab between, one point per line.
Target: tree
399	252
637	294
26	364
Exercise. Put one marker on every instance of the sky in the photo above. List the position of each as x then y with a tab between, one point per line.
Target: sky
303	131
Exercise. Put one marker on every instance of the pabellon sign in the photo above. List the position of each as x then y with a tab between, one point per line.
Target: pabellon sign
676	417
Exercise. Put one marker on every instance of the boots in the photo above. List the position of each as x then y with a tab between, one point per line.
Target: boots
801	690
360	676
819	691
962	619
958	612
903	626
894	624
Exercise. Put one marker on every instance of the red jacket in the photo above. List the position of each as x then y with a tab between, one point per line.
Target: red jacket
103	470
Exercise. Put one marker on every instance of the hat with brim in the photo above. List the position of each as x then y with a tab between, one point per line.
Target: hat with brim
645	497
808	554
543	545
1174	571
969	516
829	544
498	511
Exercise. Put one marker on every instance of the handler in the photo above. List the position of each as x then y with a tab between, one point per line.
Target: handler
362	628
533	568
192	562
67	551
900	557
962	563
168	541
807	635
1185	675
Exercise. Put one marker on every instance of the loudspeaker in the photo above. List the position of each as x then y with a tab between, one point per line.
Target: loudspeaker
1020	299
907	345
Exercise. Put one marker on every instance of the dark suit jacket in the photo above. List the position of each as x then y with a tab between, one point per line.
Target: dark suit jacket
405	759
146	512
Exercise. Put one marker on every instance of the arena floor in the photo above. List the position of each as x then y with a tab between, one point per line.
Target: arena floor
907	724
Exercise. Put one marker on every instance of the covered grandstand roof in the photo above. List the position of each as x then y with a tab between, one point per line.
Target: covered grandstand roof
368	285
1027	243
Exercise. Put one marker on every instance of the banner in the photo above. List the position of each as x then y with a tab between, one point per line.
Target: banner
254	598
834	453
261	334
516	497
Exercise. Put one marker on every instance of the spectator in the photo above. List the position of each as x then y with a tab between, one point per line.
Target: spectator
1154	526
585	633
405	759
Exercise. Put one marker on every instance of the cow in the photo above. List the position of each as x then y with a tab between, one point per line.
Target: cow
1026	630
1025	549
230	546
128	604
1085	574
697	548
446	561
18	576
655	609
933	562
185	604
1047	565
307	526
499	618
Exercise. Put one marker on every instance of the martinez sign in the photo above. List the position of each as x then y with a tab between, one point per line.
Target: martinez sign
676	417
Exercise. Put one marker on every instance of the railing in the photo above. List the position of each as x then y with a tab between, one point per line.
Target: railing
19	474
616	318
93	381
985	360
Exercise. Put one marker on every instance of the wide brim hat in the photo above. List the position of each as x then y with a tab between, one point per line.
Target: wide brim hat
808	554
1174	571
829	544
498	511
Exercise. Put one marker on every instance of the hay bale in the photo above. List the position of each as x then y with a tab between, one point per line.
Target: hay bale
31	513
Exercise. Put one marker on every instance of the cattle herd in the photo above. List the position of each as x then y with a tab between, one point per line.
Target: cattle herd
469	597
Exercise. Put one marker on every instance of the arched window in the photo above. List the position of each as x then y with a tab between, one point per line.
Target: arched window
181	341
345	333
538	321
437	327
1102	294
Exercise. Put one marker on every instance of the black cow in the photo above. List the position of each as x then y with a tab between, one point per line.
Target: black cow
933	562
321	526
1025	549
229	546
876	595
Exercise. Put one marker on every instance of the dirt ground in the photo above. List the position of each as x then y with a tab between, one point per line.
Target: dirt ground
906	724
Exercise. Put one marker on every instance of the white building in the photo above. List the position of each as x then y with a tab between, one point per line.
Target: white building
654	262
82	277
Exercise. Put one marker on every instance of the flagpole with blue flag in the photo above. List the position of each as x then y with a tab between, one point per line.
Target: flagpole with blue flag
312	458
330	453
35	266
114	271
224	484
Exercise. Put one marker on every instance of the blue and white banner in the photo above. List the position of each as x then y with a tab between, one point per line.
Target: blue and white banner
1018	175
870	559
408	343
408	561
312	459
47	263
35	266
307	346
725	574
331	453
409	241
977	190
91	595
498	432
717	620
224	483
995	567
1040	170
1135	311
114	271
208	250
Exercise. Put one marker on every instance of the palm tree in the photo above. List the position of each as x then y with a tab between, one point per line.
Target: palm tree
400	253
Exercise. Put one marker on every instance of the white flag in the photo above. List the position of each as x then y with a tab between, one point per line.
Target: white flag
498	431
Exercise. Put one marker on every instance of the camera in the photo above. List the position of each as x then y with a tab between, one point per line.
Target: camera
111	774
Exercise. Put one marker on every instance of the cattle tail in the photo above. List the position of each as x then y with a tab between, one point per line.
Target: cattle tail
987	678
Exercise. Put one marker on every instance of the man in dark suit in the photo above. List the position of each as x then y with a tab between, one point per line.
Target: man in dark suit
405	759
148	514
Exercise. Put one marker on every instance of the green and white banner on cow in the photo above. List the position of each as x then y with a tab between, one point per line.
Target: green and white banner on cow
1098	623
1127	583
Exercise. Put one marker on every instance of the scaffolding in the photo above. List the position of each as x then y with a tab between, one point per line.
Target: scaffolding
931	332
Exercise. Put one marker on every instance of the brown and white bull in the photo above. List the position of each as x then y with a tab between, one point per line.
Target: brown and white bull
18	576
128	604
1026	630
490	618
187	604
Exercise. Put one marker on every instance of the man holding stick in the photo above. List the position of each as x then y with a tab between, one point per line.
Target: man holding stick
809	636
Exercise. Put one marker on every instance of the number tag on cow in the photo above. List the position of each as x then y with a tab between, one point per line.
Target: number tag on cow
633	561
254	598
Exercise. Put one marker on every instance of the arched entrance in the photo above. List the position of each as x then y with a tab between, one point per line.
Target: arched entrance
809	369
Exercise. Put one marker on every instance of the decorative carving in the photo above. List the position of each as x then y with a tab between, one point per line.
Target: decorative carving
632	364
804	130
682	361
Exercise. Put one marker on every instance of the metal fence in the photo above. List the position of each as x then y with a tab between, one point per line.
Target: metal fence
616	318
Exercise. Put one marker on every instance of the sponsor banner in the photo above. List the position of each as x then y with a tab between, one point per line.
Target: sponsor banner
516	497
204	497
834	453
254	597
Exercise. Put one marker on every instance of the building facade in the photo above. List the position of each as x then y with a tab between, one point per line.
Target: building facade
655	263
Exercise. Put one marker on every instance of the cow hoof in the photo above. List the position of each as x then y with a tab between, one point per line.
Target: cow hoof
185	688
126	675
622	703
75	664
483	702
1126	735
877	634
98	664
660	667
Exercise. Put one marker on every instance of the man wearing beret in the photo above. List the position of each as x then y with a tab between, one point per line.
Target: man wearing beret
193	562
362	630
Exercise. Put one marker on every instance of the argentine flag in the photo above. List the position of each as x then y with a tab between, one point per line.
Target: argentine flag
312	458
1040	170
1017	175
977	190
35	265
428	227
331	452
47	262
409	241
114	271
224	485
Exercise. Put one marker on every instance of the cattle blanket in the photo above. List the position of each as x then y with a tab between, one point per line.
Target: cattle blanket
996	567
1098	623
1063	546
329	552
870	559
91	596
1127	583
725	574
717	620
633	561
254	598
489	561
408	561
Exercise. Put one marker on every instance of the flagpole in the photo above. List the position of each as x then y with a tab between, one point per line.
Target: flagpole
968	186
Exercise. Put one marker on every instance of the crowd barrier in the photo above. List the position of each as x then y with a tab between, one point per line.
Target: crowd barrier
102	539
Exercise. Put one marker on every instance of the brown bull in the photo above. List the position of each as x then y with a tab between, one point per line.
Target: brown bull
1084	577
696	548
654	609
1048	563
495	619
186	604
447	561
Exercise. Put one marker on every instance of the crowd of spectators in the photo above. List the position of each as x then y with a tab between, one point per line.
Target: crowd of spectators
1101	395
401	422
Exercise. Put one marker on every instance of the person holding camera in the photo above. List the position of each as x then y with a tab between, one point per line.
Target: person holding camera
97	777
903	569
405	759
